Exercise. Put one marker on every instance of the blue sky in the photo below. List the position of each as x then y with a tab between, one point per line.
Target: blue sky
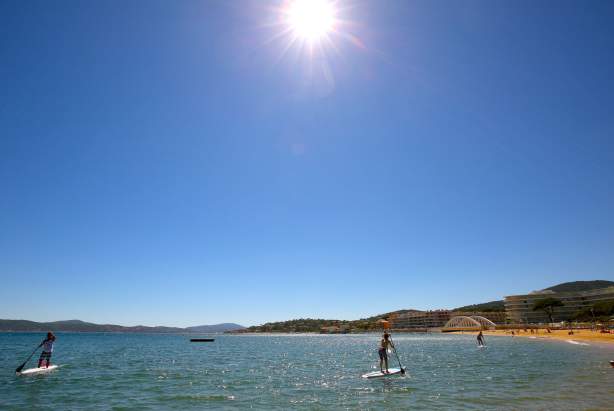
168	163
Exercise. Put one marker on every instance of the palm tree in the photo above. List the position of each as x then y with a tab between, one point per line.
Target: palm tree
547	305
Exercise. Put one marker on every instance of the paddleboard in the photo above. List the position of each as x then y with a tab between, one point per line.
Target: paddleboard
35	371
379	374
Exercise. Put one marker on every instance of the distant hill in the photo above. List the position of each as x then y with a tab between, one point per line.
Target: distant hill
82	326
581	286
304	325
301	325
215	328
79	326
484	307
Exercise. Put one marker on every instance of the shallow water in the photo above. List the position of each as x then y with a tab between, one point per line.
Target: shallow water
311	372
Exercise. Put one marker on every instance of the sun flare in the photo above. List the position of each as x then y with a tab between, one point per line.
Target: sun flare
310	35
310	20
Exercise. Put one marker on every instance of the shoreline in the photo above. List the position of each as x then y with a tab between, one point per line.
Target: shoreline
578	337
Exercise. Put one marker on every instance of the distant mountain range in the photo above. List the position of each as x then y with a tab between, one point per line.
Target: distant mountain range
82	326
216	328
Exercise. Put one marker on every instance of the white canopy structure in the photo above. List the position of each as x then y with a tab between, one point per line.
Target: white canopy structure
465	323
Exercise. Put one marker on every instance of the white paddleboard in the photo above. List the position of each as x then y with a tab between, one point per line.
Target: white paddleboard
35	371
378	374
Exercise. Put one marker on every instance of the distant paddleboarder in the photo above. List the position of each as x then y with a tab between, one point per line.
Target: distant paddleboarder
383	352
47	345
481	339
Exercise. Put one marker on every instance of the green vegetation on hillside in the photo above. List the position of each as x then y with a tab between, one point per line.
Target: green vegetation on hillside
315	325
547	305
602	311
490	306
300	325
574	286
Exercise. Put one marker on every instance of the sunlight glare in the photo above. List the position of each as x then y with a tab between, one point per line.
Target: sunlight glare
311	19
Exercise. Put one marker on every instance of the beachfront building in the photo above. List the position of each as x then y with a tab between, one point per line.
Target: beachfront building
519	308
421	319
438	318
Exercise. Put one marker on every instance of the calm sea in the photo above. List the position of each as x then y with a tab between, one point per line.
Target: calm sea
311	372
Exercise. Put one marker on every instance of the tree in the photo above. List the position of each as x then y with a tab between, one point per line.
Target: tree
585	314
600	311
547	305
604	308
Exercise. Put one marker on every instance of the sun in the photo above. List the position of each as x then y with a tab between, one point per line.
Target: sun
309	35
310	20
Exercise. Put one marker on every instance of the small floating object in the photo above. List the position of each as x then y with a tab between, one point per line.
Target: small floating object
202	339
612	363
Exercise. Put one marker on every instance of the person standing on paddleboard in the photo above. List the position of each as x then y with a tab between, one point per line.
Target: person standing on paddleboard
481	339
383	352
47	345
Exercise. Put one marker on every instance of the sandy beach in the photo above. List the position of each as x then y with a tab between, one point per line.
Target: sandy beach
578	335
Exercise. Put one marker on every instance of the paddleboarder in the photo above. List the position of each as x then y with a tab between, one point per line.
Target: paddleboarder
481	339
383	352
47	345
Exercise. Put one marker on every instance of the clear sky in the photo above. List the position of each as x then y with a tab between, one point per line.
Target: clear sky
187	162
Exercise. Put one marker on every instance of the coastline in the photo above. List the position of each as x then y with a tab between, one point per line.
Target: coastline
579	336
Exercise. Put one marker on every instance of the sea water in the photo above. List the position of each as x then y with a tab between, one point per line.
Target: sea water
309	372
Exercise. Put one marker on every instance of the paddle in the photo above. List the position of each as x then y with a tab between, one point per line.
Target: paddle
26	361
394	349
